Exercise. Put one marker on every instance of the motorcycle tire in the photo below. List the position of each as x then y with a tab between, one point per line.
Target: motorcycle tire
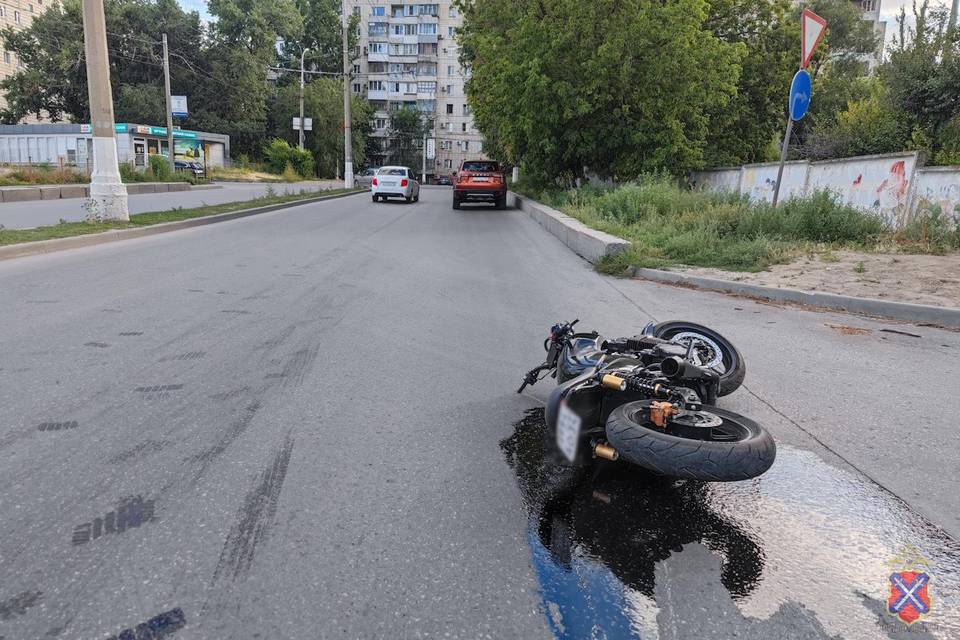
638	441
734	368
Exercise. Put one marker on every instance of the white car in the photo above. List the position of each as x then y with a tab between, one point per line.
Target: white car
395	182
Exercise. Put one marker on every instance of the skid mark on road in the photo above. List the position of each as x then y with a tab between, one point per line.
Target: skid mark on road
127	334
158	391
147	446
18	604
255	517
131	512
277	340
228	395
190	355
299	365
98	345
234	431
57	426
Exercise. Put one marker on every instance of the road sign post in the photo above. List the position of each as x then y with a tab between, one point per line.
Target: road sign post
812	30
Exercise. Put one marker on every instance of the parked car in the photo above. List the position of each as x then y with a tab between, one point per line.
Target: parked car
395	182
192	167
365	178
444	180
480	181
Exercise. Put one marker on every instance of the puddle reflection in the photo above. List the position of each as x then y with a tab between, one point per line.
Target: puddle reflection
804	551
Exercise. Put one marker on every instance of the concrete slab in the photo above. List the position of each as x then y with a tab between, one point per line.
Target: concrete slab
20	194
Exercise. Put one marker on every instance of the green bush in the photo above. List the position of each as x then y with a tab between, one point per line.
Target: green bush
159	166
278	155
302	162
667	224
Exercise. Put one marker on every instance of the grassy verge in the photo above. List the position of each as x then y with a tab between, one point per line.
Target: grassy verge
669	225
39	174
68	229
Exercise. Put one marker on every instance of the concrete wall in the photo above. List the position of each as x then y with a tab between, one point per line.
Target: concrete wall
938	186
880	184
891	186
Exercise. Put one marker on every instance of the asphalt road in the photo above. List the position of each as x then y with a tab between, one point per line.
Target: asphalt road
38	213
303	425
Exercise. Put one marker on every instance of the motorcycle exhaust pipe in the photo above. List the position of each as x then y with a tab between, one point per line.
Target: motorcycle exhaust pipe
676	368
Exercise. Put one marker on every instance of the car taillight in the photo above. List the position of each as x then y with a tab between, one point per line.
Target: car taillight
403	182
374	182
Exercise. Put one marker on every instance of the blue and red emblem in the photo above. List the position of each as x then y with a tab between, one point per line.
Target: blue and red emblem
909	598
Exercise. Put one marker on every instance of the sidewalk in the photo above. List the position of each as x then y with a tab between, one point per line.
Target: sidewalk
916	279
24	215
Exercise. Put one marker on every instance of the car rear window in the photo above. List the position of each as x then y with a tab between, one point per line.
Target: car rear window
480	166
393	172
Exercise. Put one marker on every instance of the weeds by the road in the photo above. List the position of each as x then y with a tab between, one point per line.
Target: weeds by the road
668	224
68	229
40	174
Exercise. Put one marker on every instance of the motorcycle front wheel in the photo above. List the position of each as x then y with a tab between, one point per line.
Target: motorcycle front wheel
709	350
714	444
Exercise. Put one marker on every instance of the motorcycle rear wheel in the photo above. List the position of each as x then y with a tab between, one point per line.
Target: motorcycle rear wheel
736	449
710	350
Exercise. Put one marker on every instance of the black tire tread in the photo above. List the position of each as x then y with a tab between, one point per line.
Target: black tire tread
692	459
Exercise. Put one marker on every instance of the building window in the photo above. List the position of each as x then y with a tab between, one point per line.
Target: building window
450	31
427	87
448	164
16	17
377	47
463	125
449	69
428	10
356	87
377	29
31	7
449	109
450	89
375	85
356	68
466	145
6	57
467	110
428	29
377	11
427	48
380	123
453	12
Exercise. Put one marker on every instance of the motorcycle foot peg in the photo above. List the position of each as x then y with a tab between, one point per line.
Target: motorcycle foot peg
614	382
605	451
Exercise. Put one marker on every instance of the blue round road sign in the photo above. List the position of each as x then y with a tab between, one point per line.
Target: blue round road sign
800	90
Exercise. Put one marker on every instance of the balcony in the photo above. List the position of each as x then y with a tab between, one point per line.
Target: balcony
380	94
377	57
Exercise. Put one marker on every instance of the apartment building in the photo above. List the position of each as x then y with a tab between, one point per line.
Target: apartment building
408	57
870	10
17	14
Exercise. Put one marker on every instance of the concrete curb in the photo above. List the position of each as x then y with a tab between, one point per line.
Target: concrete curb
940	316
587	243
75	242
65	191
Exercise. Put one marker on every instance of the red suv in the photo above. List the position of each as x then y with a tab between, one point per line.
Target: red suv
480	181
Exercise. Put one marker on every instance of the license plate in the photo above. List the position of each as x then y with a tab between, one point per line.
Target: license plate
389	184
481	179
568	432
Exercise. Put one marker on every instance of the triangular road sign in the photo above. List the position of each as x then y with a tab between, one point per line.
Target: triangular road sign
812	28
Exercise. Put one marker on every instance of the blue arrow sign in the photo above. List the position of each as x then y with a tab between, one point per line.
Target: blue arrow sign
800	90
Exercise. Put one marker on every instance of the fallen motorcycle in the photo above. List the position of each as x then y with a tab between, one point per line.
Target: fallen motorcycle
648	399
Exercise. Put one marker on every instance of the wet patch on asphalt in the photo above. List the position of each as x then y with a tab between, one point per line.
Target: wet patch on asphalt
156	627
804	551
131	512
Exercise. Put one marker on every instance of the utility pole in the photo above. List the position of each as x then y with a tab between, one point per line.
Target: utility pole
424	180
347	136
953	13
302	53
166	86
108	195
